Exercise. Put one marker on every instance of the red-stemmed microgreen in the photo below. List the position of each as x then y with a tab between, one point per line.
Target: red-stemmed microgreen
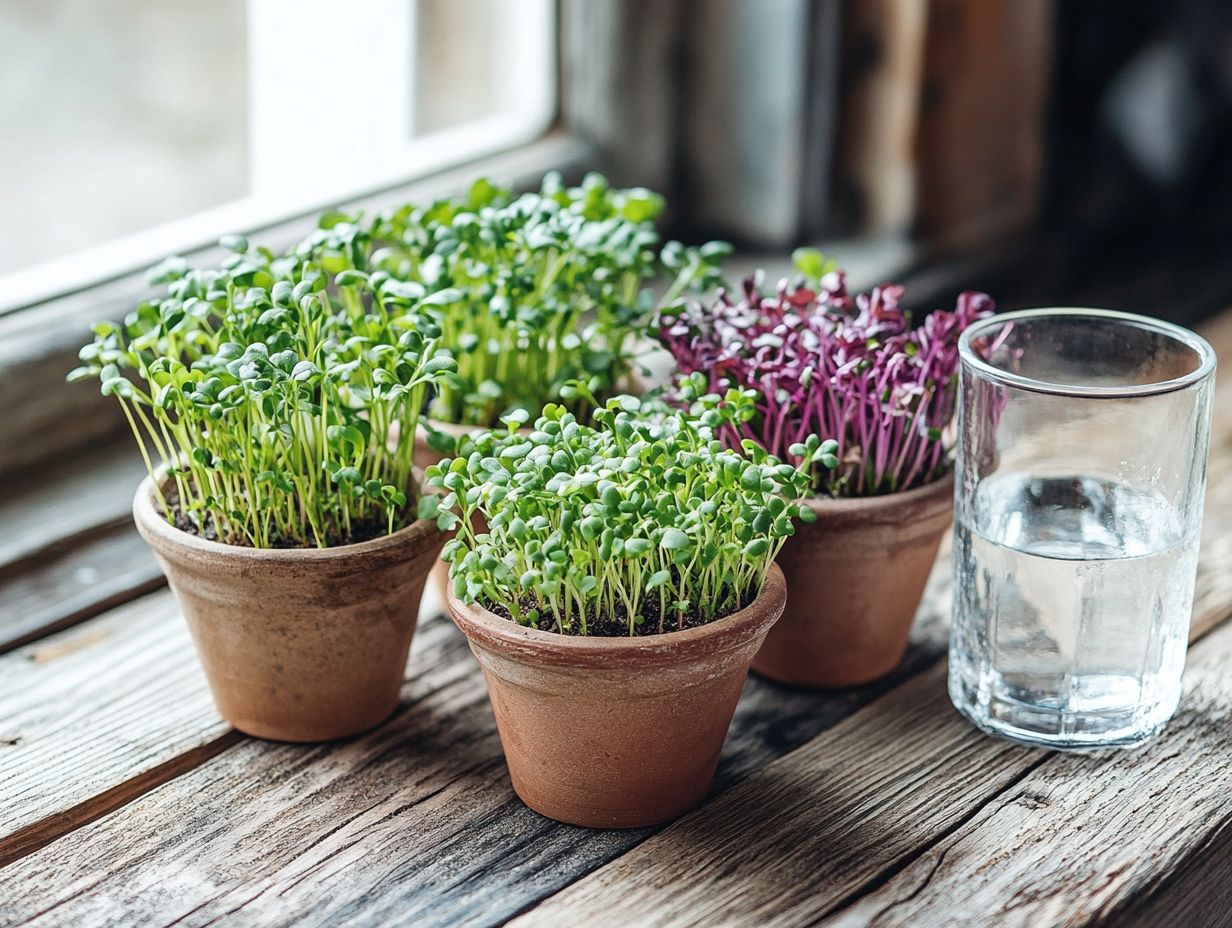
824	362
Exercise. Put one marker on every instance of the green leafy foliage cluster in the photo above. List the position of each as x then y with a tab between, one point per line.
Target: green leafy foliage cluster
538	289
642	515
281	393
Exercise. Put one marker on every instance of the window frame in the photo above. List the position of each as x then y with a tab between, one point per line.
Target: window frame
283	34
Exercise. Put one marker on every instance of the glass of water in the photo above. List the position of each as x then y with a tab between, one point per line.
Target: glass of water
1082	445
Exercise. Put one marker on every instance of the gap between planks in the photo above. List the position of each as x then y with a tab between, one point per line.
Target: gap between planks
69	550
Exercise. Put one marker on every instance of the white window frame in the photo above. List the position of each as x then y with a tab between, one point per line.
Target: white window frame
291	33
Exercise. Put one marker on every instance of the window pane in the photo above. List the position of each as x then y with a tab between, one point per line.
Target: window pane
117	116
454	80
132	129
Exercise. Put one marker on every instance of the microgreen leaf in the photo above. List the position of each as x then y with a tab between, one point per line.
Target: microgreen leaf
534	291
623	520
821	363
279	393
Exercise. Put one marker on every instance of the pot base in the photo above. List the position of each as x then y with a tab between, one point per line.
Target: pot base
588	818
297	644
299	733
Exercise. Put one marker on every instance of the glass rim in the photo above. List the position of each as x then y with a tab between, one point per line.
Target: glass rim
1201	347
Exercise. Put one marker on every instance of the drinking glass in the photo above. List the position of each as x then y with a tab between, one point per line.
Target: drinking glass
1082	446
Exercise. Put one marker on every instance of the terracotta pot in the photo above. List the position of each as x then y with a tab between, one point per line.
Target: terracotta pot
303	644
856	577
616	732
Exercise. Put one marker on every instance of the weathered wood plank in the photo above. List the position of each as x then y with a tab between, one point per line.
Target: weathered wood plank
67	499
1199	891
97	572
792	841
1081	837
95	716
870	805
979	142
421	806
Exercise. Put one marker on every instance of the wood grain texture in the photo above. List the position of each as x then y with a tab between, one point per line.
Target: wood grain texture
1083	836
853	825
792	841
97	572
414	823
980	128
96	715
68	549
43	513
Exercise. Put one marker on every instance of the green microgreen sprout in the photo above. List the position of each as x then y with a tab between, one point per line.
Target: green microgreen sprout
641	522
280	393
535	290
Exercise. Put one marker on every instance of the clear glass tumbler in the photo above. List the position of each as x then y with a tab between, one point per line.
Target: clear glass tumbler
1082	446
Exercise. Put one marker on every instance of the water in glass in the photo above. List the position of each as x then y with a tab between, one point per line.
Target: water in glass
1072	608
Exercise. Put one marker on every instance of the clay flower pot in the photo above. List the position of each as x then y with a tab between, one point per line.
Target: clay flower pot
856	577
616	732
299	644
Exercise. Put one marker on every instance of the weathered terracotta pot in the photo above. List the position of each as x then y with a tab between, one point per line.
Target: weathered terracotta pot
303	644
856	577
616	732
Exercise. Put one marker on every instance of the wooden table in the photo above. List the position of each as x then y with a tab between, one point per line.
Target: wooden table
125	800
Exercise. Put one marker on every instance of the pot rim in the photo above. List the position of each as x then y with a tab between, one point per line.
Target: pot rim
154	525
941	488
491	631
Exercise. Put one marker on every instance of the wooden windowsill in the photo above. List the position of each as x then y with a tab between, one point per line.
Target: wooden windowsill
127	800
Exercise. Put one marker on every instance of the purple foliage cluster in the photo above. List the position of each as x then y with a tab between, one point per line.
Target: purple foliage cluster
842	367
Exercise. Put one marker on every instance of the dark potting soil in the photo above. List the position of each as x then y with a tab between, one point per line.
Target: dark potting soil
617	626
361	529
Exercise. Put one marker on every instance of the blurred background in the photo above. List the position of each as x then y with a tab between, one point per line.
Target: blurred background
1050	153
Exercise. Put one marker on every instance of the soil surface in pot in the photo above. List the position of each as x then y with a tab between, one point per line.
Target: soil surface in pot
361	529
617	626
